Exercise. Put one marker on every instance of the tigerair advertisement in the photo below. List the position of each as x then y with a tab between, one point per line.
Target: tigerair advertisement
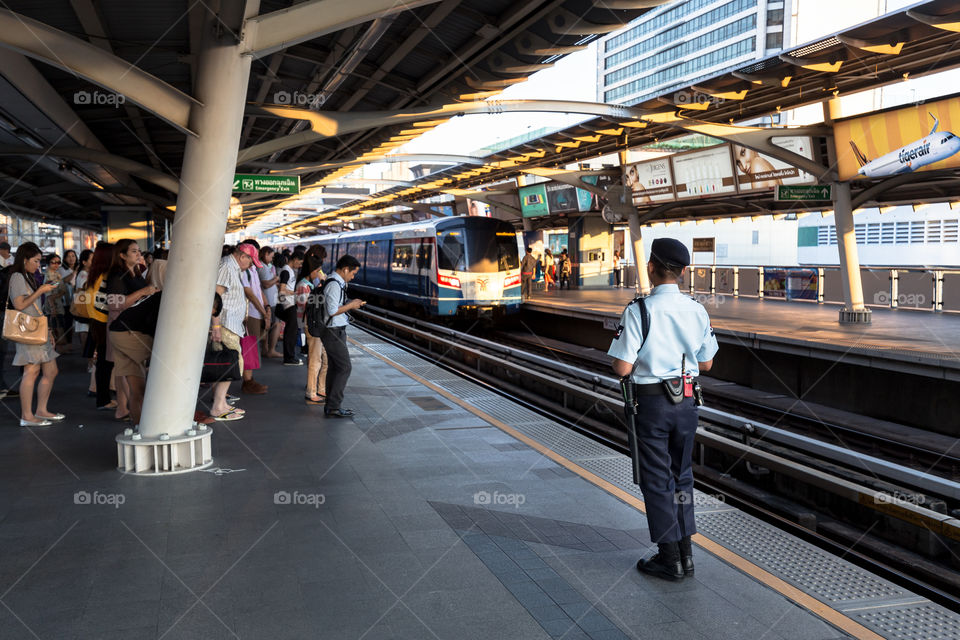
915	138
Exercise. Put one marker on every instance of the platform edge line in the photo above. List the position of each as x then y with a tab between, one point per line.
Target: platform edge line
805	600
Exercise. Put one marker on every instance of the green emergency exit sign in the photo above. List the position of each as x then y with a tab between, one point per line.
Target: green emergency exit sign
800	192
255	183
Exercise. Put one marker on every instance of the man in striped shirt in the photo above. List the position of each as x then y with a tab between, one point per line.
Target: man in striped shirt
229	327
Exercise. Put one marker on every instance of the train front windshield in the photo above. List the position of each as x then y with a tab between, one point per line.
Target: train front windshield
478	249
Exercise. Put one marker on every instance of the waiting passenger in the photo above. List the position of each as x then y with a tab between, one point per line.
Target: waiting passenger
528	269
36	360
228	328
269	280
96	304
125	287
334	335
131	335
310	273
288	308
257	317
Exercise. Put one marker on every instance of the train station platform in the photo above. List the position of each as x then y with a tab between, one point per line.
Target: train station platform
442	510
903	340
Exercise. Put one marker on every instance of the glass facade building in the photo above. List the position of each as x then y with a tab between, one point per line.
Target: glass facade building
686	41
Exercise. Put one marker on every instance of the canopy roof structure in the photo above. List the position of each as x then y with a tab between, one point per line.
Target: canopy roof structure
909	43
68	146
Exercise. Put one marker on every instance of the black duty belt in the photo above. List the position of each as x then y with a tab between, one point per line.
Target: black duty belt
651	389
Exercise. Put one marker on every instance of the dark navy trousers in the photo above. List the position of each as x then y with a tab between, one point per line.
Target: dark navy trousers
665	433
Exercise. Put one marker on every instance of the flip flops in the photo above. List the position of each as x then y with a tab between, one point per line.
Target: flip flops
229	416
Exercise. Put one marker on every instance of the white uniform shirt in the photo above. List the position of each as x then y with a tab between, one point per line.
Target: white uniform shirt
679	325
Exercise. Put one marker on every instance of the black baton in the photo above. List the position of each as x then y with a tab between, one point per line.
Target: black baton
630	411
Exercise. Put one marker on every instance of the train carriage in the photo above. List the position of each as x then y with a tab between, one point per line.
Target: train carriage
459	266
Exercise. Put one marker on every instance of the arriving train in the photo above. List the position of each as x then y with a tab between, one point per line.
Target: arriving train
464	266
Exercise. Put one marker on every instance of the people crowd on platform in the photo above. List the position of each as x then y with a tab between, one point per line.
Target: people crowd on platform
104	306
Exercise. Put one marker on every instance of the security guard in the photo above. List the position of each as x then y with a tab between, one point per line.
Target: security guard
678	336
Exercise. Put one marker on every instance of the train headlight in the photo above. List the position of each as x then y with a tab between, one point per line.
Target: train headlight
448	281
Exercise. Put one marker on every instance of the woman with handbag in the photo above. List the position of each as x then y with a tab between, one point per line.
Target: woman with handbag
35	352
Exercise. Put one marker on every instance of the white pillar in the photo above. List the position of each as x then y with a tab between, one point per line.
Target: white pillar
639	255
853	311
198	231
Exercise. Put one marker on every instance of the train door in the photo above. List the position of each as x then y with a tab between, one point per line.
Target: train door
424	269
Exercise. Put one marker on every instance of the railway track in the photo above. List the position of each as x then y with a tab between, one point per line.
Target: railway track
849	502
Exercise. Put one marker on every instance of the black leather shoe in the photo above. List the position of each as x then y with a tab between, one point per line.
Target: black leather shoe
664	564
339	413
686	556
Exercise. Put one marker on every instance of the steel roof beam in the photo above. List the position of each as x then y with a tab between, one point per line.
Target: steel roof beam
270	32
328	124
277	167
168	182
78	57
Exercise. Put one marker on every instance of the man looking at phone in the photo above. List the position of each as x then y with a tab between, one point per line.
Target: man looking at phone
334	336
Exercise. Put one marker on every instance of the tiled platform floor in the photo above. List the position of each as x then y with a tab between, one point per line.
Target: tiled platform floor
415	520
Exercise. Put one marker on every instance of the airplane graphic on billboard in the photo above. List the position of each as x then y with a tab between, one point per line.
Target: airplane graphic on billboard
932	148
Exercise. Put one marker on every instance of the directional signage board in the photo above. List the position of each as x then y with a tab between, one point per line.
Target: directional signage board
798	192
254	183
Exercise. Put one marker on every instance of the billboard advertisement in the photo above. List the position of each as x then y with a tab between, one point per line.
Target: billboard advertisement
708	172
562	198
533	201
915	138
650	181
759	172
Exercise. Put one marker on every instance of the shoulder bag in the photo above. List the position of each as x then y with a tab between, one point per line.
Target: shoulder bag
25	329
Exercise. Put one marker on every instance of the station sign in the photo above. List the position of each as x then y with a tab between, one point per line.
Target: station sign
257	183
704	245
799	193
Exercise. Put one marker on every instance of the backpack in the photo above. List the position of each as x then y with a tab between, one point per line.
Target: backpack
315	313
5	284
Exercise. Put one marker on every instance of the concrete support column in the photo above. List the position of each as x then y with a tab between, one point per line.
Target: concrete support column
197	235
639	255
853	311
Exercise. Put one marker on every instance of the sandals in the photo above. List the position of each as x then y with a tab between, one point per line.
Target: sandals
229	416
318	398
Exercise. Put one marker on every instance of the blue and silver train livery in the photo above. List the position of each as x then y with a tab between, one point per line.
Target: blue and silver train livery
457	266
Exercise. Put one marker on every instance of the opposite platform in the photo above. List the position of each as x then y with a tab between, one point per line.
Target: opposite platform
441	511
895	339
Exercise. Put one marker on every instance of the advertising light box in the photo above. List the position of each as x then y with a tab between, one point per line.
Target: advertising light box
759	172
533	201
704	173
650	181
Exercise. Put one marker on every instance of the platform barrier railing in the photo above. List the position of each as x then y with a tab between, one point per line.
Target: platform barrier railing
925	289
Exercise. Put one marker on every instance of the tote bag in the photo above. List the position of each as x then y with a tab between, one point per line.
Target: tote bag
25	329
251	354
220	365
